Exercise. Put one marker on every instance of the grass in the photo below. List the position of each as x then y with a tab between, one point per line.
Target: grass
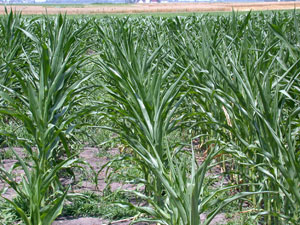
88	204
8	214
94	205
241	219
6	154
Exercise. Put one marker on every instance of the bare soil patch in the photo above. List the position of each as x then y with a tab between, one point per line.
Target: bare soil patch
153	8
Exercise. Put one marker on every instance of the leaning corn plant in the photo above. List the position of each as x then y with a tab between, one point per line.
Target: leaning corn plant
47	103
259	92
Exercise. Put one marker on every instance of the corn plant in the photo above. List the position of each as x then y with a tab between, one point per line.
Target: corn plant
144	113
275	144
186	196
263	113
47	104
143	107
244	84
10	44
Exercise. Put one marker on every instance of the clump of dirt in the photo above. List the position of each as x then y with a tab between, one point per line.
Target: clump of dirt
79	221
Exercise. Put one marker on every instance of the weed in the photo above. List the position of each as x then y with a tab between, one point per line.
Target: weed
94	205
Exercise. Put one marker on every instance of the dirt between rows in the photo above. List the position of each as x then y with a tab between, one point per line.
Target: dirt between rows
152	8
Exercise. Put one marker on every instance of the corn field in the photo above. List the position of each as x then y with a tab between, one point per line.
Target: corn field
227	85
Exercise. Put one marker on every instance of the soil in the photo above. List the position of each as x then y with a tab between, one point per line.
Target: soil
218	220
152	8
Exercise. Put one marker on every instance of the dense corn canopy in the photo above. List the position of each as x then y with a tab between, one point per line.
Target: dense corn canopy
231	81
